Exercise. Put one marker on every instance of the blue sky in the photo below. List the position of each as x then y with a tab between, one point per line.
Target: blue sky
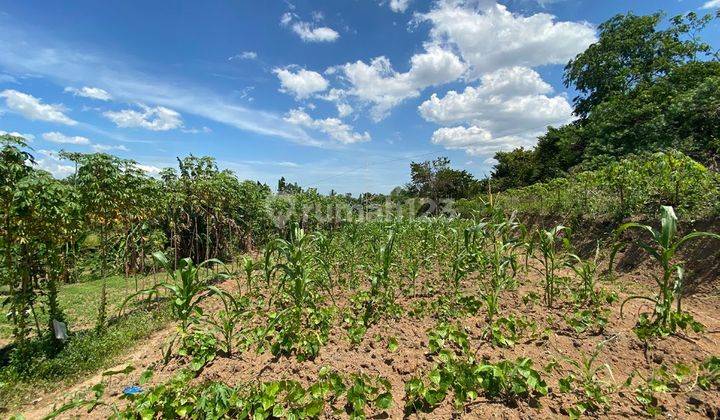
338	94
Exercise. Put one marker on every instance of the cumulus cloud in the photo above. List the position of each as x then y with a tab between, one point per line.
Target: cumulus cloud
57	137
301	83
34	109
510	106
156	118
307	31
344	109
148	169
399	6
90	92
381	86
490	37
477	140
333	127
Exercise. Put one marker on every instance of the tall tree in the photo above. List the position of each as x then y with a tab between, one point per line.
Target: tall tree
632	50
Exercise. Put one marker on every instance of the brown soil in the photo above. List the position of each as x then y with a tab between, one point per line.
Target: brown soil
622	352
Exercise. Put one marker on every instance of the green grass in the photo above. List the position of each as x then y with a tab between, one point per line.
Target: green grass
80	301
39	370
87	352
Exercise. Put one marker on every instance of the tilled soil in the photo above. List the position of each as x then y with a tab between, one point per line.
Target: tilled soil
622	352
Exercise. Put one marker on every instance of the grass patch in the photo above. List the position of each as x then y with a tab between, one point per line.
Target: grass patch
26	374
80	301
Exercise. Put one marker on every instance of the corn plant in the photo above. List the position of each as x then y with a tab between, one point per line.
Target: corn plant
187	290
585	380
248	266
547	242
586	271
367	307
301	324
663	248
224	322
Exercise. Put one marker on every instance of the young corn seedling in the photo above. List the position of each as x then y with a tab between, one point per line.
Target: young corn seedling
586	381
548	241
663	248
186	289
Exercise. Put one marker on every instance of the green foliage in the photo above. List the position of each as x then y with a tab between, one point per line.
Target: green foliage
274	399
663	248
586	381
644	86
637	185
466	379
187	289
631	50
39	365
506	331
548	241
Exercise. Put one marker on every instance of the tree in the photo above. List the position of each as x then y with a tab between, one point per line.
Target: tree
105	185
514	169
631	51
36	212
437	180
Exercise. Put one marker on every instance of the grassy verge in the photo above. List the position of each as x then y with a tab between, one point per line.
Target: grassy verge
80	301
28	373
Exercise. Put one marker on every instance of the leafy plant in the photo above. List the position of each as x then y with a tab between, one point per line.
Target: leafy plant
548	241
663	249
187	290
467	379
585	382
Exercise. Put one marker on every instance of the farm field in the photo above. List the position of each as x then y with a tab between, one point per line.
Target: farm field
390	209
423	319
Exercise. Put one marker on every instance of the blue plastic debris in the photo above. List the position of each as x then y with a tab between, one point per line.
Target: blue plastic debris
132	390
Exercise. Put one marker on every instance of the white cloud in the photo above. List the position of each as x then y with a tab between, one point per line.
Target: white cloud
107	148
158	118
32	108
57	137
490	37
333	127
344	109
245	55
286	18
148	169
302	83
712	4
477	141
27	137
307	31
48	160
90	92
197	130
33	52
399	6
510	106
379	84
